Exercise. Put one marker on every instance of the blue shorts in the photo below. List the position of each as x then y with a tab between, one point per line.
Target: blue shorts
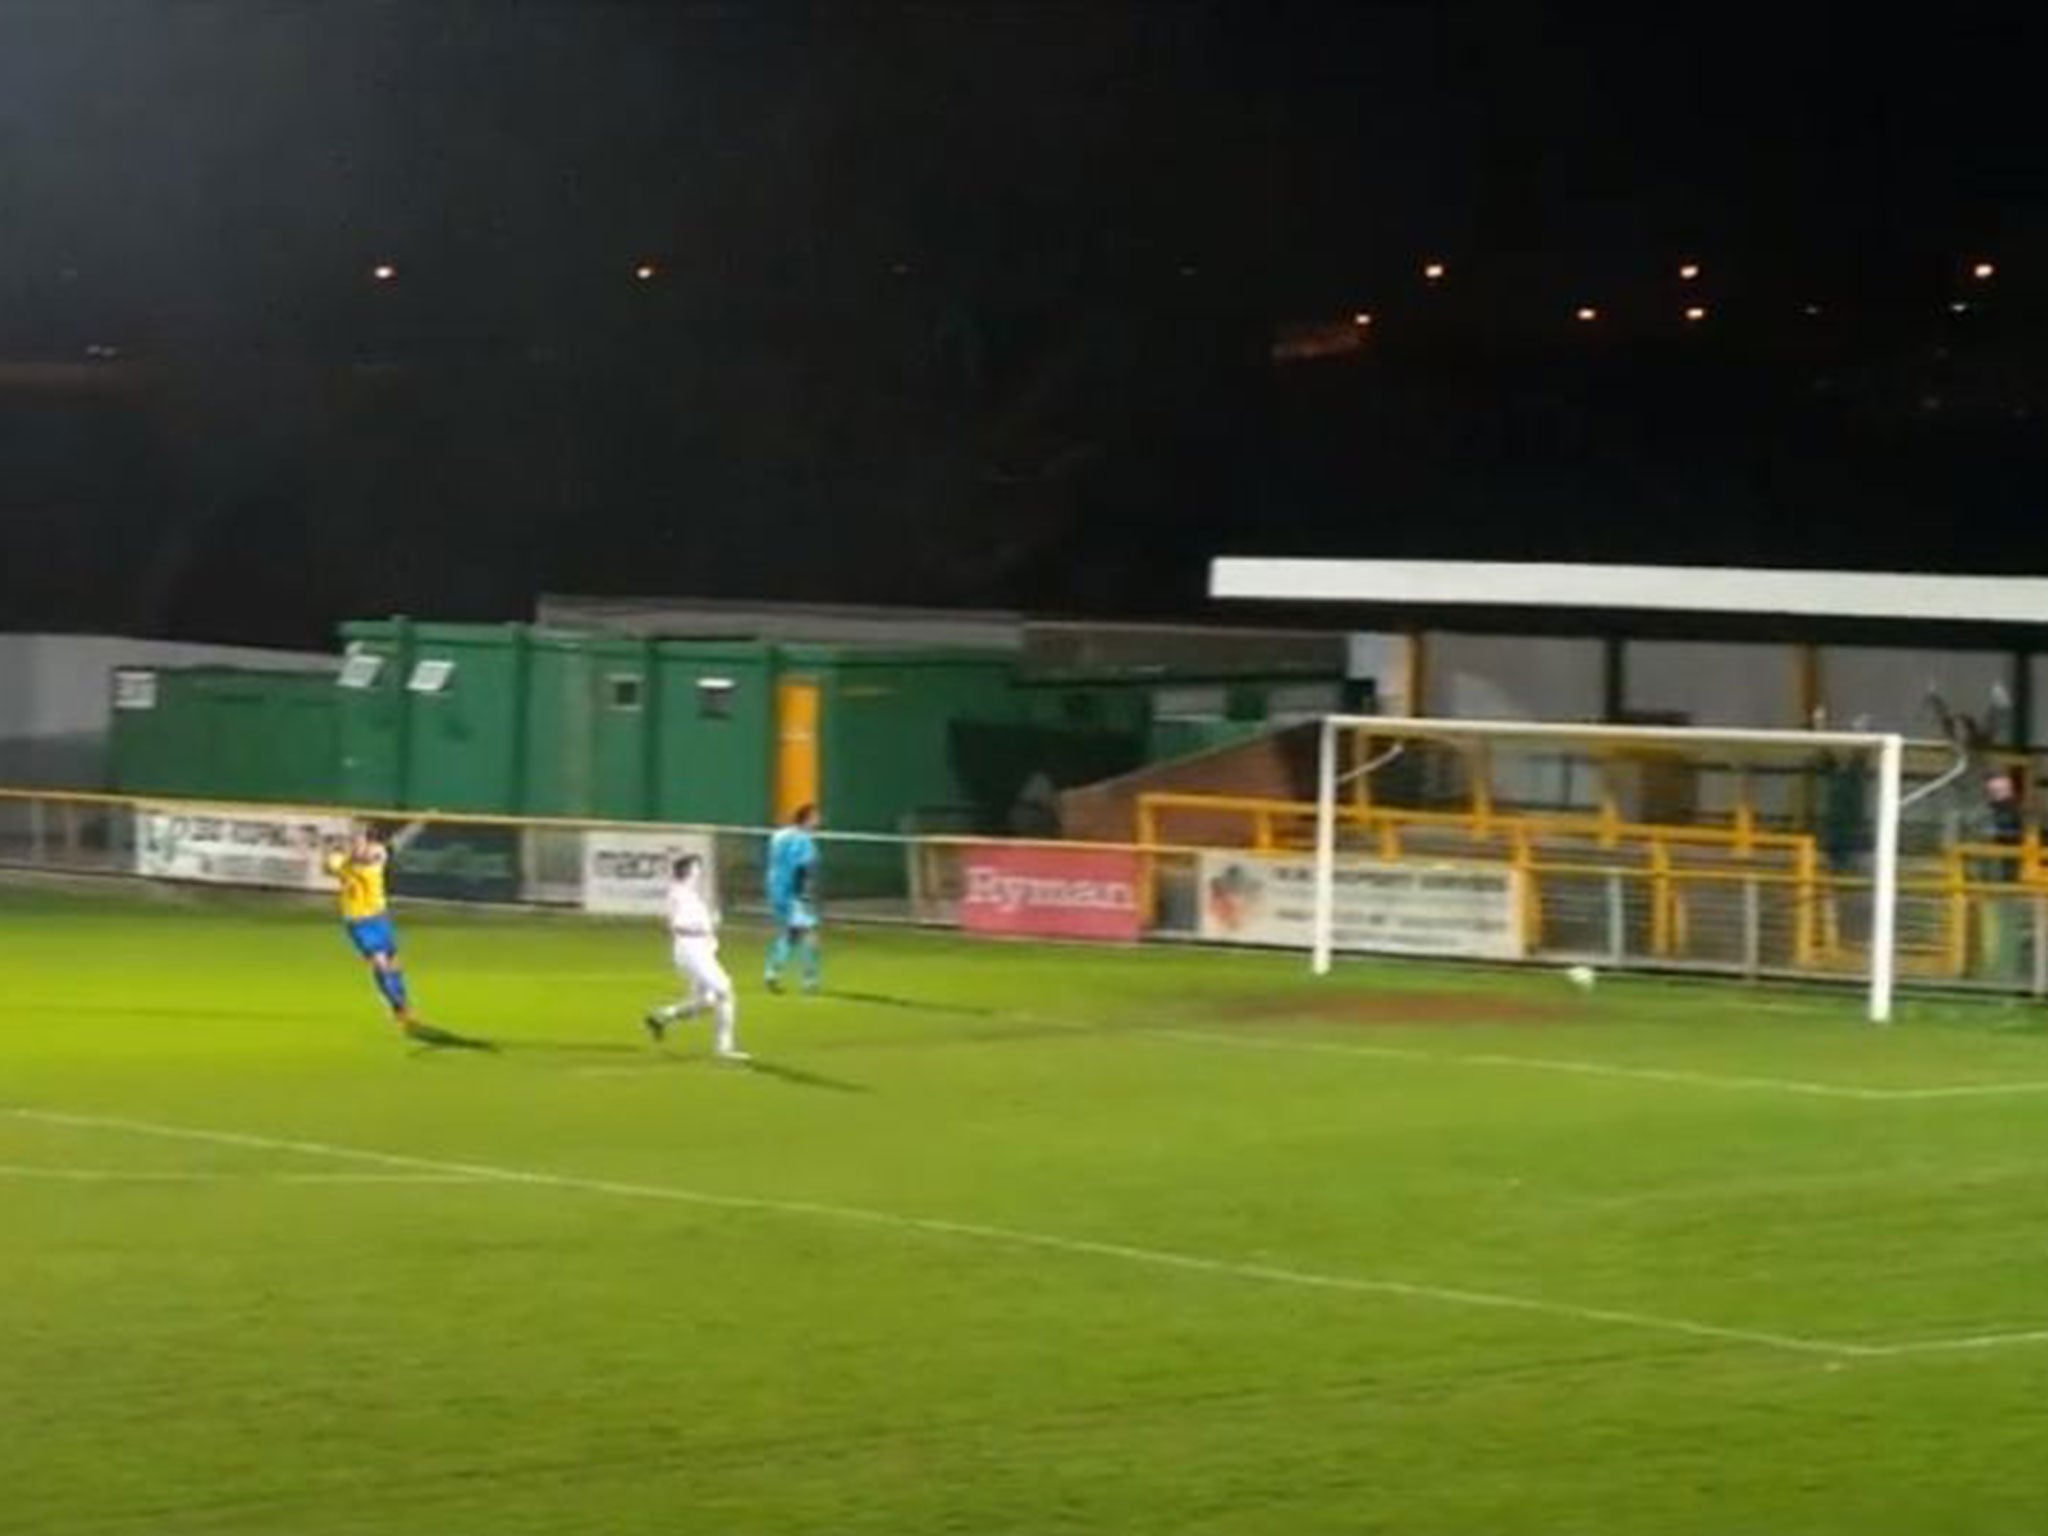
793	913
372	935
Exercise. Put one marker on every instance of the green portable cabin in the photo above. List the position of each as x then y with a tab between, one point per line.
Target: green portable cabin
511	720
225	733
431	715
713	757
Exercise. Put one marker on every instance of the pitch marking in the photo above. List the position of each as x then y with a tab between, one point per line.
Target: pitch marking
1157	1258
1967	1090
158	1176
1965	1343
1729	1082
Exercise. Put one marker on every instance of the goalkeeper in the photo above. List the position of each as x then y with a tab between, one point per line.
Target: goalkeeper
792	898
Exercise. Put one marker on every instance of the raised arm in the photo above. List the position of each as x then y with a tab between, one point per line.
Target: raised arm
1942	713
1998	717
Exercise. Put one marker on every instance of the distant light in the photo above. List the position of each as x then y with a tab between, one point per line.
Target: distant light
1189	269
1689	272
1984	271
1696	313
1812	309
384	272
646	272
1361	319
1434	272
1958	307
1587	312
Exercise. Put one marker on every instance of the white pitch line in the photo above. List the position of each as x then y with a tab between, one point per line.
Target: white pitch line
1726	1081
1968	1342
1158	1258
1968	1090
1768	1189
1533	1063
160	1176
374	1178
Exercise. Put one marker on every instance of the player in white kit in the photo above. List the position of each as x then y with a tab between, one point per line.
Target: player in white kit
693	936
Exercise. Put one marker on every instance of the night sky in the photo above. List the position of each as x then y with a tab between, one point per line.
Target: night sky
976	304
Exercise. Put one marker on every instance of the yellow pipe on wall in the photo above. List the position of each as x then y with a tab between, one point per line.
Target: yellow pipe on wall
1958	927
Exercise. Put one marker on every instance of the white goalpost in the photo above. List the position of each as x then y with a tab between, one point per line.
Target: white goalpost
1754	852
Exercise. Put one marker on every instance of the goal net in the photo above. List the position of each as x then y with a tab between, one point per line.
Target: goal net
1755	853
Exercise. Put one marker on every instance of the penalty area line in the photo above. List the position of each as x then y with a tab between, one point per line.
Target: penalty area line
1014	1237
1959	1345
1729	1082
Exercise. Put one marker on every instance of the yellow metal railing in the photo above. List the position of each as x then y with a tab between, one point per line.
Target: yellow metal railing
1980	879
1265	817
1967	881
1670	894
1274	825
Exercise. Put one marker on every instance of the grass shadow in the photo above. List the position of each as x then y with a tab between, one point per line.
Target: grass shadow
910	1004
798	1077
431	1037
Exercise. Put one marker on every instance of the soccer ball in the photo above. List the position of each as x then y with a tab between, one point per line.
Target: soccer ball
1583	977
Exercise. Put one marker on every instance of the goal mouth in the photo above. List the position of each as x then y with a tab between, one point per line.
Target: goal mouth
1744	852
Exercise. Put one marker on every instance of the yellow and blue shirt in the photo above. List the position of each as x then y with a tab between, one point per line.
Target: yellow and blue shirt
362	885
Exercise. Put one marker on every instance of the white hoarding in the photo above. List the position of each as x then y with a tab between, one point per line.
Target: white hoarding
1466	911
628	872
242	847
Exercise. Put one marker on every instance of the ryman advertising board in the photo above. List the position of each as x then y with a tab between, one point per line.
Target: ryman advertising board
1045	892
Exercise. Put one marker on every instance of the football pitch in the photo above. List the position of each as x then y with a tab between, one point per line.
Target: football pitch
994	1239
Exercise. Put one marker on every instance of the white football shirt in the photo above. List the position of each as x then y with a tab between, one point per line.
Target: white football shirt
689	915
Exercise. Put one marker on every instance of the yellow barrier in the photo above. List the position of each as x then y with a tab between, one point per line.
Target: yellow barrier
1483	823
1486	824
1770	859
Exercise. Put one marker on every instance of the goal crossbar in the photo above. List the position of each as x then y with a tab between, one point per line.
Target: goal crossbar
1885	749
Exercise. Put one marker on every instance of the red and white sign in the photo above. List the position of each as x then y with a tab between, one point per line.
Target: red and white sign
1044	892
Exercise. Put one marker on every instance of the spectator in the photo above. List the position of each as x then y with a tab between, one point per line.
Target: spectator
2002	821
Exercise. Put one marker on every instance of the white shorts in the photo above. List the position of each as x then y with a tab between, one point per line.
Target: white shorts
697	960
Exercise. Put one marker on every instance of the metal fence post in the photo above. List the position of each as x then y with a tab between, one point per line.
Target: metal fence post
1752	930
2040	946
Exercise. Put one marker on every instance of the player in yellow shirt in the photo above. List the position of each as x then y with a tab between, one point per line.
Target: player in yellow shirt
358	867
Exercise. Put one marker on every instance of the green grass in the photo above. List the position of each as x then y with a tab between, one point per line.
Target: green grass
1001	1239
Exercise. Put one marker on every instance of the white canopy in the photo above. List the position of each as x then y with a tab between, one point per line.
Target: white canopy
1664	588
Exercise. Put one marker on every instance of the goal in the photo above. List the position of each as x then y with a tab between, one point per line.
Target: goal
1755	853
